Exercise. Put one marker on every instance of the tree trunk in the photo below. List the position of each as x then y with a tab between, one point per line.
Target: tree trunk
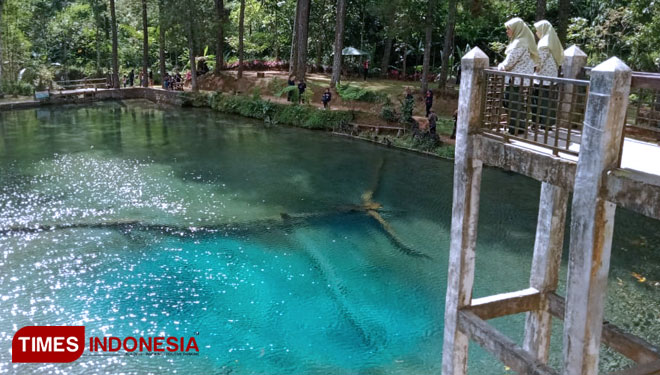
241	31
448	47
219	50
161	40
98	50
145	46
387	51
540	9
115	58
303	33
405	60
564	11
339	43
427	46
191	47
2	4
293	57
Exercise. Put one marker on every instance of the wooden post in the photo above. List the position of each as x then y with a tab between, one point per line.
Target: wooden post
592	219
545	267
465	211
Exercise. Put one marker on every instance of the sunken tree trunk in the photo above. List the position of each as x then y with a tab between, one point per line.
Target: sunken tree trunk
427	46
540	9
564	11
241	31
161	40
145	46
303	33
448	47
219	49
339	43
115	58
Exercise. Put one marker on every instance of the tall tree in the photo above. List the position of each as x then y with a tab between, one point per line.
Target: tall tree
339	43
145	46
427	46
387	49
540	9
564	11
293	59
2	5
161	39
241	31
191	46
303	33
115	57
219	50
448	47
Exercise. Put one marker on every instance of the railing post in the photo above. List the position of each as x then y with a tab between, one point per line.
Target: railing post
574	61
465	210
592	218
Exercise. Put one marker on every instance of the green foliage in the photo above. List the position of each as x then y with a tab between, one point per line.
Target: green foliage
17	88
407	106
388	113
273	113
355	93
275	85
289	89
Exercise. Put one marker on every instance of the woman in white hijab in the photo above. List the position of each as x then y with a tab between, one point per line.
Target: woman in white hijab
521	53
521	57
551	55
551	52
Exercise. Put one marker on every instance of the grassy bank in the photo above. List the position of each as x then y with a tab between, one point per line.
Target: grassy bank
309	117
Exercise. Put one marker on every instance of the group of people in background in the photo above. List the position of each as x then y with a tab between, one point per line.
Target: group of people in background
129	79
173	81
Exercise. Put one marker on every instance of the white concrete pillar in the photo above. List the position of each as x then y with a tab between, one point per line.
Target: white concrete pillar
545	267
465	210
592	218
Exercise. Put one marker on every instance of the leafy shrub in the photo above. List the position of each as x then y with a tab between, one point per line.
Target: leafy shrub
276	85
17	88
388	113
273	113
289	89
355	93
320	119
407	106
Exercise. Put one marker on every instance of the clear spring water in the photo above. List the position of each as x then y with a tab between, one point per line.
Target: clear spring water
322	289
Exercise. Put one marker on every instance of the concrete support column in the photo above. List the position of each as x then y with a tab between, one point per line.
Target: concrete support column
545	267
592	219
574	61
465	210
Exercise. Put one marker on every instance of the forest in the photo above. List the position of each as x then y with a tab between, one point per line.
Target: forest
46	40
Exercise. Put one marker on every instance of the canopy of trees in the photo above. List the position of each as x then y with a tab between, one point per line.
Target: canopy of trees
41	40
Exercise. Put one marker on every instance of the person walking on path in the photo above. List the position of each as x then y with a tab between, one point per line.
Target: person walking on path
428	99
301	90
327	96
365	67
433	119
131	77
290	82
521	57
551	55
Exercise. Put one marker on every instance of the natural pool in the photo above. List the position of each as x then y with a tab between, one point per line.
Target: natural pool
255	241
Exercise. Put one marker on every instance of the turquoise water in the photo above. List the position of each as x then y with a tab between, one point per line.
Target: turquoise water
134	219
